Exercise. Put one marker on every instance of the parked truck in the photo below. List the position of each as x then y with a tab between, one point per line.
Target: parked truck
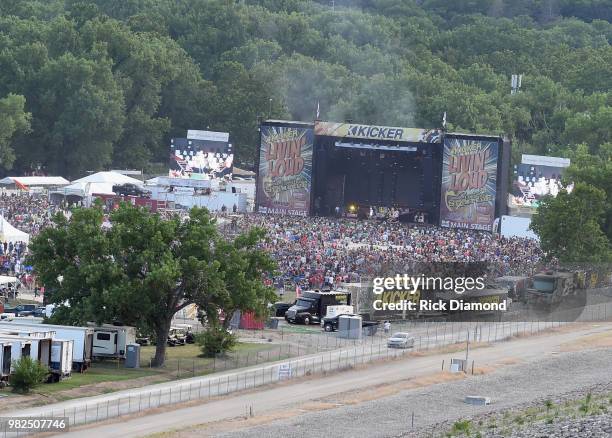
331	323
311	306
549	288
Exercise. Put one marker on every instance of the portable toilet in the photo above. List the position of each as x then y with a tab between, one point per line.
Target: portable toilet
132	356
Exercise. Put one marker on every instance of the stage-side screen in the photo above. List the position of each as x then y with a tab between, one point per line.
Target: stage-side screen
200	159
285	170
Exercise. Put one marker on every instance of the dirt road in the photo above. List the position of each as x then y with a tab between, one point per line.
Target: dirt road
286	396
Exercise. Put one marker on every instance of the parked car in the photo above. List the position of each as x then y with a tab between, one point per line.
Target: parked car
40	312
400	340
21	309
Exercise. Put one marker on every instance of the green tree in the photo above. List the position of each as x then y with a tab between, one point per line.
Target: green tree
13	120
595	170
570	225
144	269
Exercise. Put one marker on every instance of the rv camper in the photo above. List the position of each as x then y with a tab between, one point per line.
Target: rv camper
112	341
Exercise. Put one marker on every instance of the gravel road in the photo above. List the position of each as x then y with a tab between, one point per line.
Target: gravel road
509	387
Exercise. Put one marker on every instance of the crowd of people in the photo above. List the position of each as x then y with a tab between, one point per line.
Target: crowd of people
316	251
27	212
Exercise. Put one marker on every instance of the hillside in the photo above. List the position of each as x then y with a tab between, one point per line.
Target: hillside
108	82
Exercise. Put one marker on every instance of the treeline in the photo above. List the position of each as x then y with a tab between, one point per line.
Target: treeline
86	85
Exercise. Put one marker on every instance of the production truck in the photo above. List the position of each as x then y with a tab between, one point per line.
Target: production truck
550	288
312	306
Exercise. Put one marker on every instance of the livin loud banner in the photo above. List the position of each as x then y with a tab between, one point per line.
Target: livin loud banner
469	183
285	170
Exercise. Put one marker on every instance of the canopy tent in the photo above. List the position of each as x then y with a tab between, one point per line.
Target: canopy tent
108	178
5	279
25	182
11	282
97	183
9	233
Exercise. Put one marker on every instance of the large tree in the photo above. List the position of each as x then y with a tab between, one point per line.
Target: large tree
13	120
570	225
143	269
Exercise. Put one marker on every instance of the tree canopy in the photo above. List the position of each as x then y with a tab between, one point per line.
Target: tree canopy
108	82
570	225
143	269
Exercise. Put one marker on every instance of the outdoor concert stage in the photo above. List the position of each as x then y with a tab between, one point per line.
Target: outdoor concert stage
346	169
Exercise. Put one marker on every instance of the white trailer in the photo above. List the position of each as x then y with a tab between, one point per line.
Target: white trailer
112	341
5	359
61	357
19	347
82	338
36	347
27	332
59	364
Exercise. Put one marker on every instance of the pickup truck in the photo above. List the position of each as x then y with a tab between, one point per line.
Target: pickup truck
331	324
22	309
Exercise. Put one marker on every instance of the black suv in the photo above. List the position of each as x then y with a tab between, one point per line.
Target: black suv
130	190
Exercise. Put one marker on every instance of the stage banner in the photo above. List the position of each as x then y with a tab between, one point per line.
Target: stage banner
285	170
371	132
469	183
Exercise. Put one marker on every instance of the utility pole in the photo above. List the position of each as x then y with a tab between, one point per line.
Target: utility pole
467	347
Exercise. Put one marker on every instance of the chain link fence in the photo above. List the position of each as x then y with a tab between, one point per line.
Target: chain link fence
336	354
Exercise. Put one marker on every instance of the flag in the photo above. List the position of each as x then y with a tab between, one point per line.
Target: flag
318	111
20	185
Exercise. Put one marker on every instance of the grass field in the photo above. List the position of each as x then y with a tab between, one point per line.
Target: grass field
96	374
187	360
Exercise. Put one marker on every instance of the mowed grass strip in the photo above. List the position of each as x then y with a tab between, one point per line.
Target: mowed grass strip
96	374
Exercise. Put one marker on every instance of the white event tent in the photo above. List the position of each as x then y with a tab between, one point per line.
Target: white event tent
97	183
26	182
9	233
